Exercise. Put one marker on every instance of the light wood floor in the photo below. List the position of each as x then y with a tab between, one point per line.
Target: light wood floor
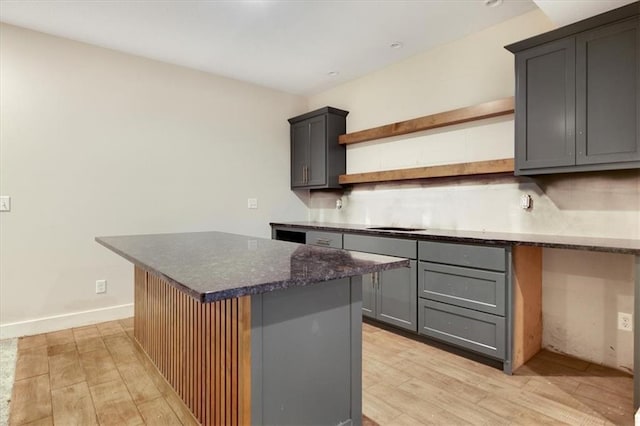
96	374
407	382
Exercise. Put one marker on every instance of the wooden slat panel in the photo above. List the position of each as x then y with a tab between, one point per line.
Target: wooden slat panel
244	361
202	350
457	116
217	361
234	363
227	357
222	366
504	165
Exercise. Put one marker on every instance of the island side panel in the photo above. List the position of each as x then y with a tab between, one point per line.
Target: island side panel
307	354
203	350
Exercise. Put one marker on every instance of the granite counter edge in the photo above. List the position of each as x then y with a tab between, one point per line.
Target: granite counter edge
240	291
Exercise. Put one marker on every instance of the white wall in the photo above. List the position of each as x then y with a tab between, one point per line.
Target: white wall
466	72
95	142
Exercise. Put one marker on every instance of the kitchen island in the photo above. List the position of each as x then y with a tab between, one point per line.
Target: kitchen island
249	330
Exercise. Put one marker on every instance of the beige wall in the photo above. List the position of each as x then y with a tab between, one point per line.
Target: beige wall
466	72
95	142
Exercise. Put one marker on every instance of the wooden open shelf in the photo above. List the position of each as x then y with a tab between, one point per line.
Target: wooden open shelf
462	115
504	165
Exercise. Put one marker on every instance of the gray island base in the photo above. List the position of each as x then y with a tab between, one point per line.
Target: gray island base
252	331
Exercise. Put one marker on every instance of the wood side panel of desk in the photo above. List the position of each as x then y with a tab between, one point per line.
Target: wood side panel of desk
527	303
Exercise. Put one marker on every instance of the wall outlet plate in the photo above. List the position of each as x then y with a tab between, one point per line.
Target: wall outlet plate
101	286
252	203
625	321
525	201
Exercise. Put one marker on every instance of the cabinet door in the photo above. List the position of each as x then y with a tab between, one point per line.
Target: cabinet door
317	173
368	296
397	297
608	94
545	106
299	153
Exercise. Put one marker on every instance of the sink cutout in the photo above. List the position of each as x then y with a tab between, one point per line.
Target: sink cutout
394	228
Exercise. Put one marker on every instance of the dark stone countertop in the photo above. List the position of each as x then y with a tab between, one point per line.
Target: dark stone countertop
213	266
611	245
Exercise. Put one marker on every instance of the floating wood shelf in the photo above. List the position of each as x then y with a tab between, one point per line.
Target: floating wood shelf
457	116
504	165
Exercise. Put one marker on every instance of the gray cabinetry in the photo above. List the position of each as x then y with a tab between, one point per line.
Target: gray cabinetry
607	95
578	97
546	74
317	159
466	287
464	296
389	296
325	239
480	332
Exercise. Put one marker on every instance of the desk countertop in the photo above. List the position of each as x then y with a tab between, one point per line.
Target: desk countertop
612	245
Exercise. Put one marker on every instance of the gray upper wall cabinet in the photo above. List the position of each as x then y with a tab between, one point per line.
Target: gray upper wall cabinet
317	159
578	96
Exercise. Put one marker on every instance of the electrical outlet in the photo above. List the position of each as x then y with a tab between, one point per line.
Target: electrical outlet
525	201
625	321
101	286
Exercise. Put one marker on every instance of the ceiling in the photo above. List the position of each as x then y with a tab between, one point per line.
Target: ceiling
291	46
568	11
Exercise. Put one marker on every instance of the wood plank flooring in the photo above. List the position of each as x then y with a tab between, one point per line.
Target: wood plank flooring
97	375
407	382
88	376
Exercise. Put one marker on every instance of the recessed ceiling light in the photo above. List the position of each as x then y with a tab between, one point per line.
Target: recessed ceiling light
492	3
396	45
333	73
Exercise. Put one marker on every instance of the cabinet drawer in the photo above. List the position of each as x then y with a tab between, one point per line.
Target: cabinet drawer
324	239
463	255
381	245
466	328
469	288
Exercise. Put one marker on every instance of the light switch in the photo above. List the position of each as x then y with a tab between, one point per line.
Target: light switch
5	203
252	203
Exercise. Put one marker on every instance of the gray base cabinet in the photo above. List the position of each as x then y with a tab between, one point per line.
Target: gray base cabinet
319	325
578	96
389	296
465	297
455	293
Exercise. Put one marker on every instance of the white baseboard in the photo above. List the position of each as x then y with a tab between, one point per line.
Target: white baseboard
61	322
